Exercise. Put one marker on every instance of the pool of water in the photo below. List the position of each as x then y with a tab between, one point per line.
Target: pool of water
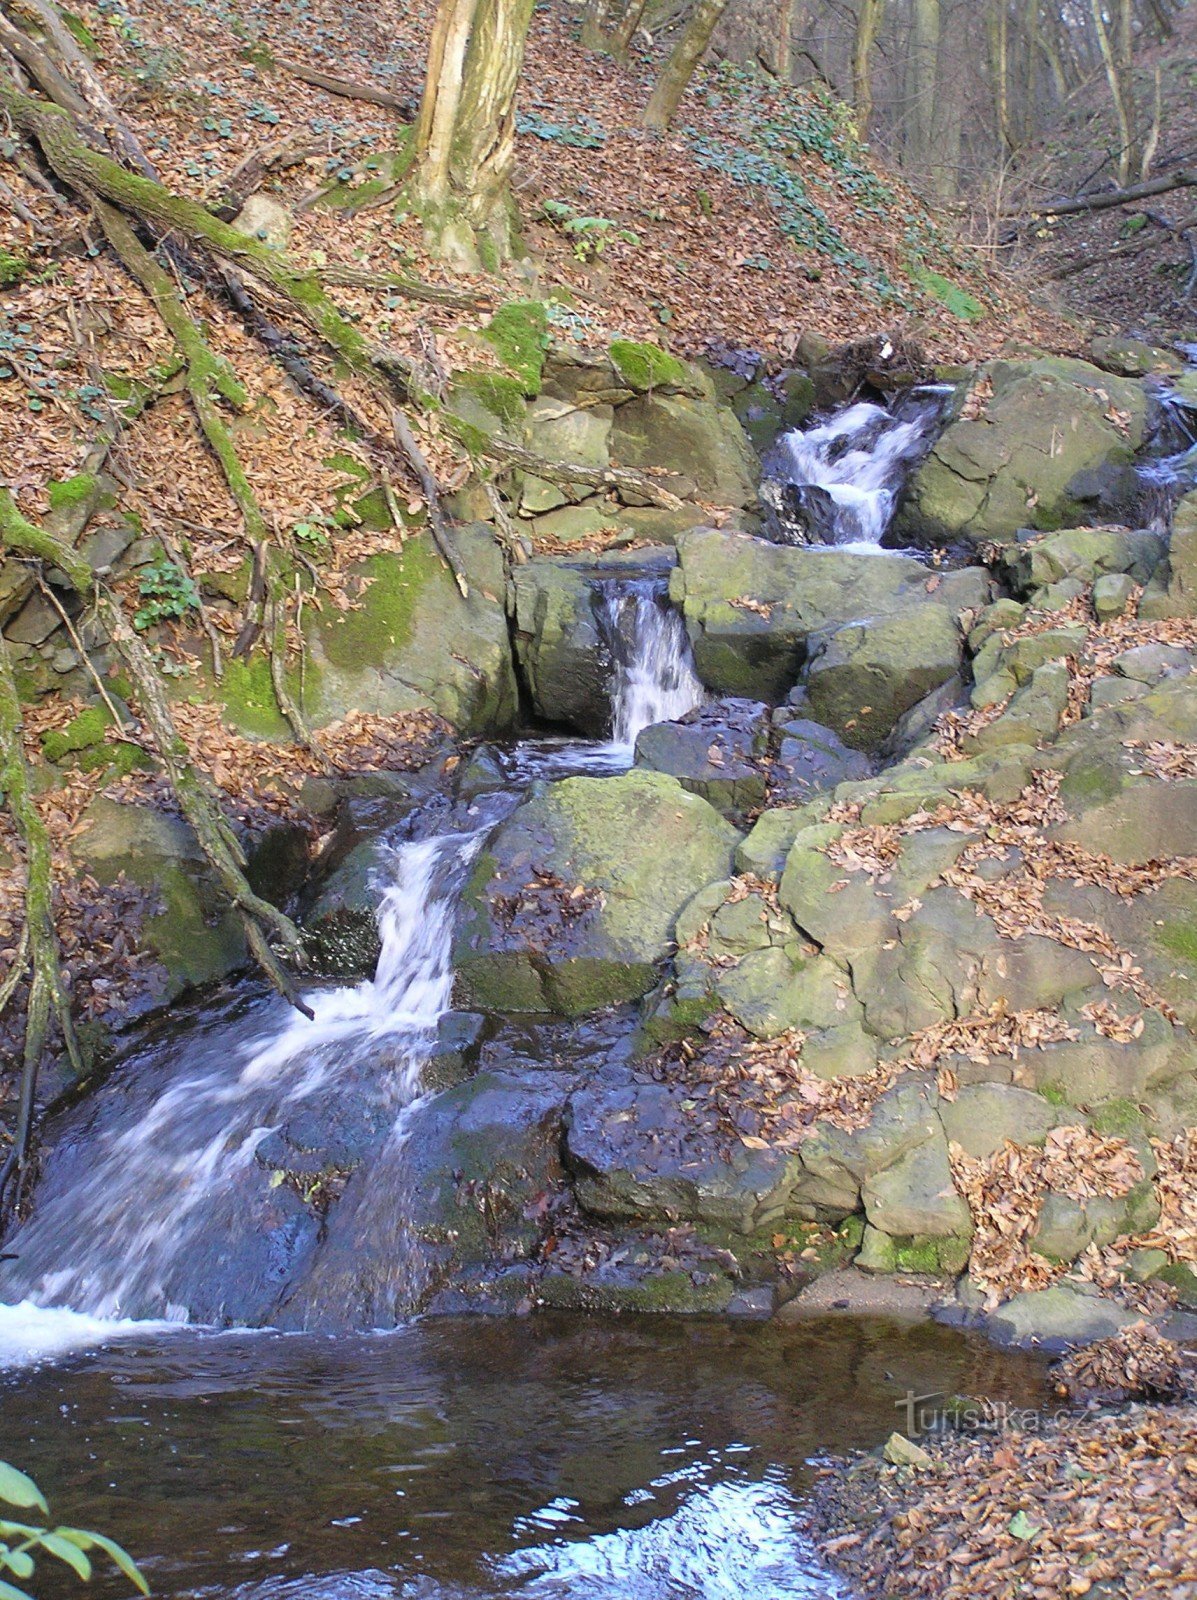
646	1459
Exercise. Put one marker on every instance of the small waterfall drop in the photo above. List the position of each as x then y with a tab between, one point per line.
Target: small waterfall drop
842	477
169	1191
654	679
1171	469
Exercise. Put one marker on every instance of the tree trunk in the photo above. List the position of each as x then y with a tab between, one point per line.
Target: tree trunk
924	73
868	25
465	136
1118	77
679	69
999	70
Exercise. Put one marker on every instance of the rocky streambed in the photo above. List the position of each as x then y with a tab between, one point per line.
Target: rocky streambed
846	917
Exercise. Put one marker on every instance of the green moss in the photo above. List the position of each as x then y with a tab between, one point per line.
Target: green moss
248	697
342	461
501	396
81	733
233	586
121	758
13	268
850	1232
72	492
519	333
1179	939
1118	1119
384	619
645	366
80	32
259	55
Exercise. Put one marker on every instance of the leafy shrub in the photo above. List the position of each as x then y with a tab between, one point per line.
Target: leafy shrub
589	236
165	592
23	1543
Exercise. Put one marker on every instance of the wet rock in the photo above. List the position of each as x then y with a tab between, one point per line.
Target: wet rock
559	431
639	1150
1053	447
559	646
1056	1319
574	902
716	751
751	607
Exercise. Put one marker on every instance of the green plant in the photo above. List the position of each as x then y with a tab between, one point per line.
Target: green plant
165	592
313	536
590	236
22	1543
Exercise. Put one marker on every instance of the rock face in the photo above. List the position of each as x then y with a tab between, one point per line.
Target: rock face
413	641
878	632
1052	445
559	646
574	902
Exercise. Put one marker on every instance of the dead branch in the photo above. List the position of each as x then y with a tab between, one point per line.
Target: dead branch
1131	195
509	454
351	89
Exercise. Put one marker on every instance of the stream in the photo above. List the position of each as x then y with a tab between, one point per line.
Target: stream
348	1448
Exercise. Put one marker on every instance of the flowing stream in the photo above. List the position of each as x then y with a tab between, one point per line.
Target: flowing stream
843	475
449	1460
153	1221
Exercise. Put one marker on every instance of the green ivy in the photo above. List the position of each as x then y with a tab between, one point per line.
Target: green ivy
166	592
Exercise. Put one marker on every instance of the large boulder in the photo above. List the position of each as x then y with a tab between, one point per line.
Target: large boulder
559	646
864	677
751	606
574	902
409	640
699	440
1053	446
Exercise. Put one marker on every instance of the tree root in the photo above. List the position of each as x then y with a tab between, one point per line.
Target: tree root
350	89
437	521
196	797
47	990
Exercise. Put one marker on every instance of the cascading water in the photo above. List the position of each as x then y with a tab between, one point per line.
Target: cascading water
170	1195
841	478
655	680
168	1190
1171	470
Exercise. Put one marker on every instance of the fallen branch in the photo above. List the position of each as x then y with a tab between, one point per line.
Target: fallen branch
1181	179
509	454
399	283
350	89
438	523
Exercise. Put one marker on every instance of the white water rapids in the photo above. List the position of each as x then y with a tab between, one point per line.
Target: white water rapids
856	463
171	1186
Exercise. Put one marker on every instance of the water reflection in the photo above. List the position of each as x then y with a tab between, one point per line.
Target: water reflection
653	1460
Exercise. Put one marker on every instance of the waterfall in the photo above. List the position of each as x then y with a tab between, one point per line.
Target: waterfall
178	1188
844	475
654	678
165	1194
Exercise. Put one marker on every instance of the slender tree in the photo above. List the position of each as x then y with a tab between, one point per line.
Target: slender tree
465	136
868	26
922	81
1119	78
679	69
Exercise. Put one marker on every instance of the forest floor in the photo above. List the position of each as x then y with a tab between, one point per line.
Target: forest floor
1130	267
1081	1504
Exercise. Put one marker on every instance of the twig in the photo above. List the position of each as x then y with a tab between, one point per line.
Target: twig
437	521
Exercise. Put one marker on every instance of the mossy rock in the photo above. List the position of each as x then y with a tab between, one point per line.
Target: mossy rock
81	733
573	905
646	368
518	333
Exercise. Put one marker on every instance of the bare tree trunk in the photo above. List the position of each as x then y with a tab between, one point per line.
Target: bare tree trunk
999	68
465	136
868	25
923	79
679	69
785	40
1118	77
